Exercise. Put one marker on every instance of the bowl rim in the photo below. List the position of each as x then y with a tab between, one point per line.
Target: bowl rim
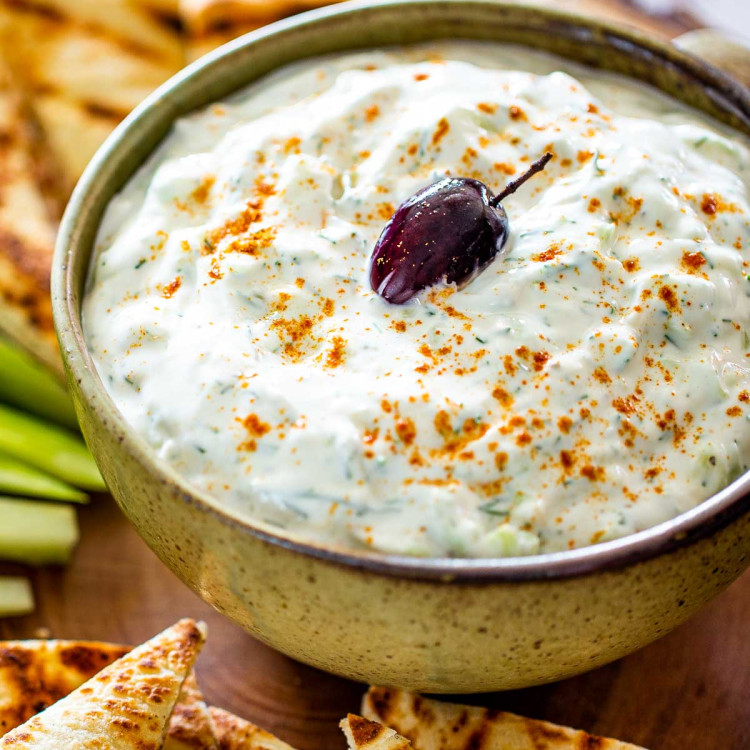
705	519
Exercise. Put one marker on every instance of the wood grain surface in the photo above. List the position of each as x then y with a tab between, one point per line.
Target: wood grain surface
688	691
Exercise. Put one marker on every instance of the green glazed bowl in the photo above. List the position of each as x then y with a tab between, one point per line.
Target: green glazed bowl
438	625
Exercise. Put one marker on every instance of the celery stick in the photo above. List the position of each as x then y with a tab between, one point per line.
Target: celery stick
29	385
37	533
18	478
16	598
49	448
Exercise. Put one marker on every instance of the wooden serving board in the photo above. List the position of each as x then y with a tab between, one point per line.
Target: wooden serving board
689	691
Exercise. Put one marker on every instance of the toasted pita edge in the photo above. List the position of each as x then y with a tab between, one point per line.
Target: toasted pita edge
190	724
427	723
234	733
364	734
126	706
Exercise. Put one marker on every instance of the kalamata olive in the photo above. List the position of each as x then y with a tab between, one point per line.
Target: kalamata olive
449	231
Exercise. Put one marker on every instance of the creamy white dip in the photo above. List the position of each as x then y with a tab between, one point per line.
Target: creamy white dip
592	382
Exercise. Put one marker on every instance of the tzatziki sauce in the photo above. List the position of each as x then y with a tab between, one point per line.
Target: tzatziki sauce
592	382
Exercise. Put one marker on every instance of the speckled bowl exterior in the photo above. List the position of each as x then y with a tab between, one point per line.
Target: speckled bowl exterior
430	625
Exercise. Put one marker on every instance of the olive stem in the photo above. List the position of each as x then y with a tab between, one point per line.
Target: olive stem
513	185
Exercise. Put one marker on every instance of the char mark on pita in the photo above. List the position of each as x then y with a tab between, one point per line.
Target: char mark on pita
136	28
364	734
211	23
436	725
233	733
190	725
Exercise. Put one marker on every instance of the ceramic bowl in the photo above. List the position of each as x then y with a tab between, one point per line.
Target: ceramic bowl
439	625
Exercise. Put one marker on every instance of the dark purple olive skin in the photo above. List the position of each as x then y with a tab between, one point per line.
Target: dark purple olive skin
446	232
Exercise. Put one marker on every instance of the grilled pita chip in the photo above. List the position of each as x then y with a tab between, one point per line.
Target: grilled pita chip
125	22
201	43
190	726
166	10
363	734
86	64
201	15
29	206
36	674
211	23
126	706
233	733
434	725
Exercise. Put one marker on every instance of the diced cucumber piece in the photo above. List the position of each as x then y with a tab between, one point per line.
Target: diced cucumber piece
508	541
29	385
606	231
51	449
16	597
37	533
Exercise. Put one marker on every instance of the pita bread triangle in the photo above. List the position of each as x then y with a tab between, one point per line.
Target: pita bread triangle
211	23
30	203
200	43
129	23
200	15
190	725
36	674
435	725
86	64
363	734
233	733
126	706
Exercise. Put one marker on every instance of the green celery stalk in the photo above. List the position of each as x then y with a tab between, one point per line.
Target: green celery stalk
16	598
32	387
51	449
18	478
37	533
